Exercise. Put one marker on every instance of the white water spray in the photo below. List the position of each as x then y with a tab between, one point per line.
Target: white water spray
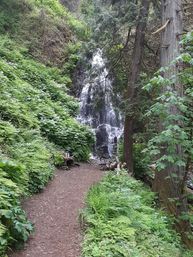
97	109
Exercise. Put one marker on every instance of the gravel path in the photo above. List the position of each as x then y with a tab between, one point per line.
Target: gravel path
55	214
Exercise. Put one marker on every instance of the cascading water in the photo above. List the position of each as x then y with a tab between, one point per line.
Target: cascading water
97	109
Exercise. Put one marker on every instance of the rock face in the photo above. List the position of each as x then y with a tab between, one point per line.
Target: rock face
72	5
97	107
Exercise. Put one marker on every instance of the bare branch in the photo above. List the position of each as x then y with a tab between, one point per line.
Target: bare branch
162	28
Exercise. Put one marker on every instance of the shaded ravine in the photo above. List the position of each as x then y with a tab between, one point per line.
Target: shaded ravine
55	214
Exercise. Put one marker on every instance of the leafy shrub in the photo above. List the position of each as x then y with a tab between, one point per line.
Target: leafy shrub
140	160
36	111
33	153
172	134
45	27
121	221
56	9
3	239
33	97
58	158
14	227
15	173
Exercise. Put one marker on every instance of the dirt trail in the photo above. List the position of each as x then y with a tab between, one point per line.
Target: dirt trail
55	214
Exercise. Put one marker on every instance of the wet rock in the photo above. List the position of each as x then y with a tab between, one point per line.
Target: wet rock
97	108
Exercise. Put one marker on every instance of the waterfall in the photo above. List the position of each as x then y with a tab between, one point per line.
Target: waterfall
97	109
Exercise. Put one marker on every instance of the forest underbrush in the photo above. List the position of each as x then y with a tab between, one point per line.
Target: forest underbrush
121	219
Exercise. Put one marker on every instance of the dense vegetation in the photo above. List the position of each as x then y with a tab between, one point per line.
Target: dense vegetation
37	121
121	220
148	47
40	45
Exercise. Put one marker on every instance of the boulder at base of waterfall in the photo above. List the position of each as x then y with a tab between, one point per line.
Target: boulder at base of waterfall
102	142
111	166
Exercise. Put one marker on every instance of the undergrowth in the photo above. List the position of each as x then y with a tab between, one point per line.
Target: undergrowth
36	122
45	27
121	221
38	51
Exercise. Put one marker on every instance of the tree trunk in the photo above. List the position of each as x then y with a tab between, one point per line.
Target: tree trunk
168	183
133	80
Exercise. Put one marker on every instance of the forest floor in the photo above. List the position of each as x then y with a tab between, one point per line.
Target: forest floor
55	214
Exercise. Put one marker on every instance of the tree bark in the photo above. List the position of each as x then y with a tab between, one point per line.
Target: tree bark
133	80
168	186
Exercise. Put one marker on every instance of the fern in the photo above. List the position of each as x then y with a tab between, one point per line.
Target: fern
122	222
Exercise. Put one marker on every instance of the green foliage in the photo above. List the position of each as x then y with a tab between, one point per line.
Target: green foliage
173	133
32	151
35	108
57	10
37	123
121	221
58	158
3	240
73	57
174	110
34	97
140	159
14	226
10	14
15	173
44	27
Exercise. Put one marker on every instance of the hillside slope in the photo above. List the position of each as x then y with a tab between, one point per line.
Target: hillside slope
38	50
72	5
